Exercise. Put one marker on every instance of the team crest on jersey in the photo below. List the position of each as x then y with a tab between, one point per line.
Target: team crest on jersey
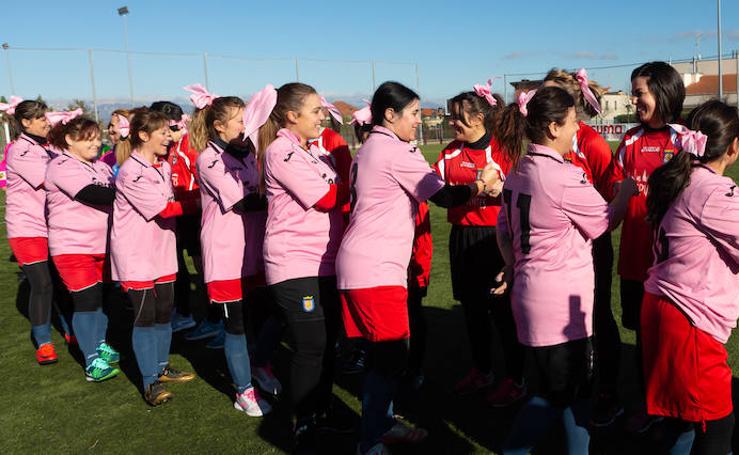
668	155
308	304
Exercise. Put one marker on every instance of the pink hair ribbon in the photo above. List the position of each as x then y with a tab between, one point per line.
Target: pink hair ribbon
257	112
123	127
693	142
9	108
333	110
587	92
523	100
62	117
200	96
362	116
484	92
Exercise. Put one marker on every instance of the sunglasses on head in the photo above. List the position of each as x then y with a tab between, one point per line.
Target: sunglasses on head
174	128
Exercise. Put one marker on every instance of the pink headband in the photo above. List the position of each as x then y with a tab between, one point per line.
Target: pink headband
182	123
200	96
523	100
9	108
484	92
123	127
362	116
333	110
257	112
64	117
582	78
693	142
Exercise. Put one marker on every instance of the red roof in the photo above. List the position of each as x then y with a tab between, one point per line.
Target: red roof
346	109
708	85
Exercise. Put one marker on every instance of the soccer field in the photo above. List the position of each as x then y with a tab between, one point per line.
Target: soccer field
52	409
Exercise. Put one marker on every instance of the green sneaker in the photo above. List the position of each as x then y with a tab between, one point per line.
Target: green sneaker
107	353
99	371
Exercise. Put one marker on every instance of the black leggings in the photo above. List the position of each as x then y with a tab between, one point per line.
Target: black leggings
152	306
417	321
310	307
632	293
42	292
605	330
233	316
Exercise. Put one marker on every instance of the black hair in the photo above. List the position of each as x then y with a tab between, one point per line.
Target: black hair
715	119
666	86
473	104
390	95
168	108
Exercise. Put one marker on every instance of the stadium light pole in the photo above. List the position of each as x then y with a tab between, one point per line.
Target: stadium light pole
123	12
718	34
6	51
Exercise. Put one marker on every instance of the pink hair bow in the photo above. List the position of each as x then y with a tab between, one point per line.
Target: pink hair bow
9	108
582	78
693	142
362	116
523	100
123	127
200	96
62	117
333	110
484	92
257	112
182	123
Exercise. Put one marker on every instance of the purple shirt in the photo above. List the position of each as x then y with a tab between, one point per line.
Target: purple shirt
224	181
25	209
300	241
697	253
552	212
389	178
142	244
74	227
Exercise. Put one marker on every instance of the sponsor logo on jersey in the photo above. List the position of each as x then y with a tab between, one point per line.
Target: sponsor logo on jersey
668	155
650	149
469	165
308	304
731	191
289	155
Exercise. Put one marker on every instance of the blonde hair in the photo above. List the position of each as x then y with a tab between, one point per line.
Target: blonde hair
569	82
122	149
202	125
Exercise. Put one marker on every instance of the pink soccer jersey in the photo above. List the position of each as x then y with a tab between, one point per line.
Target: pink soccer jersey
74	227
25	204
142	245
552	212
224	181
389	178
697	253
300	241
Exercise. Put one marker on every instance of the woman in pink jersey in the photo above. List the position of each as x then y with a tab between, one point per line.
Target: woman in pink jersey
304	228
690	303
658	93
142	246
79	202
25	216
389	178
550	215
473	248
229	189
591	153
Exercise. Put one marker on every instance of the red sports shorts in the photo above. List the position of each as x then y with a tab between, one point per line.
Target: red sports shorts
377	314
29	250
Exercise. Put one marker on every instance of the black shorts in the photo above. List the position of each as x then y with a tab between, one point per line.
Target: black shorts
561	373
632	293
475	260
188	234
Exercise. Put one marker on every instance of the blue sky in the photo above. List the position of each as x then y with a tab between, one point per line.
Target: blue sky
454	43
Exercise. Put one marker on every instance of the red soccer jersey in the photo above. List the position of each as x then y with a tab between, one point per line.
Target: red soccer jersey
182	158
333	144
591	153
419	271
458	164
641	152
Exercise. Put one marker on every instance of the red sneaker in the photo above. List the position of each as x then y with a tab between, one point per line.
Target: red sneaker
473	382
71	340
507	393
45	354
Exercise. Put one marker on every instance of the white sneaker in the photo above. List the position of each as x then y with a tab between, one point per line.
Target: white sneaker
251	403
266	380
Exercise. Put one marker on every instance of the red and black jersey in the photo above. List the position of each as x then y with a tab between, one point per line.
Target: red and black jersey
182	159
460	164
419	270
641	151
591	153
333	145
